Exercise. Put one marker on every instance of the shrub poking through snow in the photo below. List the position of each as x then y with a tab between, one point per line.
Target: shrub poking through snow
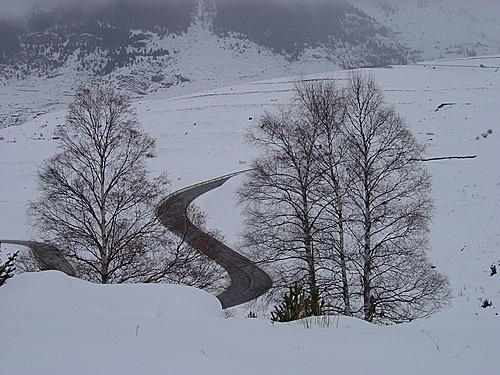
493	269
7	269
486	303
296	304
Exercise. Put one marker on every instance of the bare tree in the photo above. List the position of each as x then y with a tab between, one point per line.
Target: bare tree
322	105
97	202
389	189
281	205
96	198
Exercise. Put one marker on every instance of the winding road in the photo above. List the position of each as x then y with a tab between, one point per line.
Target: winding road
247	280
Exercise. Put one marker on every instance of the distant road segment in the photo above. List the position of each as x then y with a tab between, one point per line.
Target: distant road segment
47	256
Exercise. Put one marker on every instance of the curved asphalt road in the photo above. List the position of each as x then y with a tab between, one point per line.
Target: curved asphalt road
247	280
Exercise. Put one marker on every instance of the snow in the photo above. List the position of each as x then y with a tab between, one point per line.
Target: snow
25	99
53	324
439	29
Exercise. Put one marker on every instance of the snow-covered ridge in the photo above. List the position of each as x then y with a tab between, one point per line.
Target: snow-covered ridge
437	29
200	136
54	324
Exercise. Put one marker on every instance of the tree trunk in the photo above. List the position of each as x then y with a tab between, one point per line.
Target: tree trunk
368	307
341	249
310	261
343	261
104	237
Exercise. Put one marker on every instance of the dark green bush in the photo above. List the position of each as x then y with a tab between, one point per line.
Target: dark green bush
297	304
7	269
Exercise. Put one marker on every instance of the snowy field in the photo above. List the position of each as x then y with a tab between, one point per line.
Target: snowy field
52	324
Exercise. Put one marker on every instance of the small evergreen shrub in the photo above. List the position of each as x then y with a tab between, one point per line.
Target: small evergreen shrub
486	304
297	304
251	315
7	269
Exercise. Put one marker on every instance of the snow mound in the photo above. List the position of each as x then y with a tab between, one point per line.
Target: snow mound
56	294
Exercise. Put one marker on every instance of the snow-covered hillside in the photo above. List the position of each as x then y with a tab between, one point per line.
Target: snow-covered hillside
54	324
436	29
197	58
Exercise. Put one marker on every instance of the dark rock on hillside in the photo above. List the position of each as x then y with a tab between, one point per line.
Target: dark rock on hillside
291	27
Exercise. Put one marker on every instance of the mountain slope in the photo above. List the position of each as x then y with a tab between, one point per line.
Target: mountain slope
437	29
163	46
54	324
167	48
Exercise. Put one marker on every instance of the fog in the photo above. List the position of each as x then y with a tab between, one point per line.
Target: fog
19	9
15	10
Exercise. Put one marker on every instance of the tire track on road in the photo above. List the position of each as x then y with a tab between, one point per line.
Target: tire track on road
248	281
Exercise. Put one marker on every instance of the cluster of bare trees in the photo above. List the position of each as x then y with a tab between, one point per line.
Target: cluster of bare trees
340	201
98	205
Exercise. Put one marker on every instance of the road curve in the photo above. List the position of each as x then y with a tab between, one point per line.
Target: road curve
247	280
47	256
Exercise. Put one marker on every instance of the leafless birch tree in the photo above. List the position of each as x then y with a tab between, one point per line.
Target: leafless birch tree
389	188
97	202
322	106
282	205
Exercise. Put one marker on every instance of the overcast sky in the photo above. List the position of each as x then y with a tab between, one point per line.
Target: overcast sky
19	8
14	9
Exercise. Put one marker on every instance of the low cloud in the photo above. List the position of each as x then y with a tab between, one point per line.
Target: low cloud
16	10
